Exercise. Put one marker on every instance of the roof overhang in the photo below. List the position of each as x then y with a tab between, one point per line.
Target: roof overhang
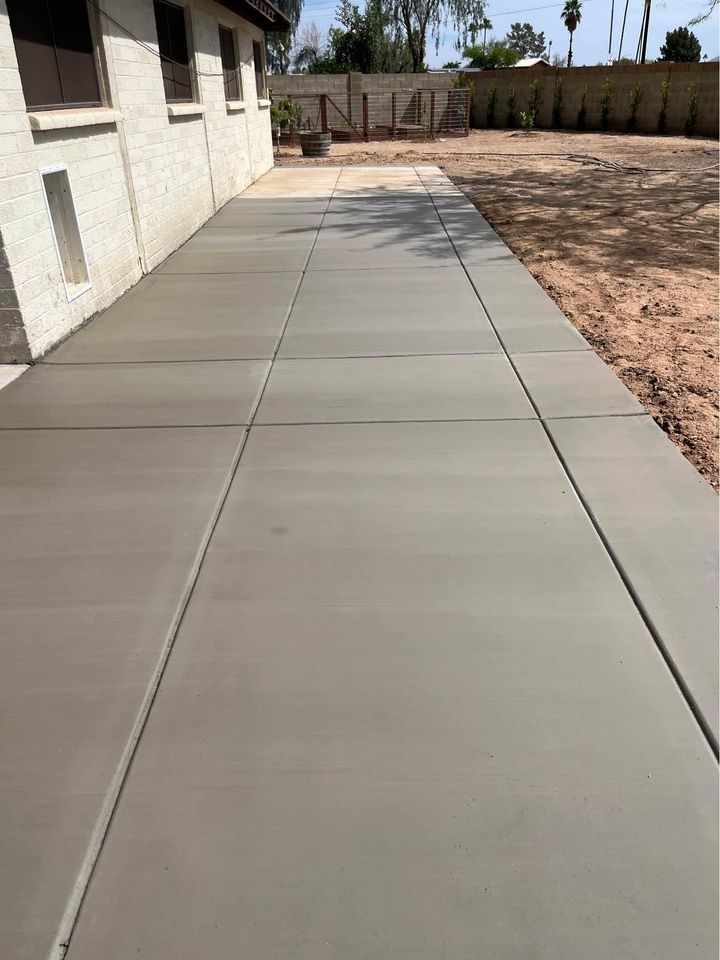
260	12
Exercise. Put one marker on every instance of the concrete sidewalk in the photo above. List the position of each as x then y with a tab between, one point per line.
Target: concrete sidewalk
351	608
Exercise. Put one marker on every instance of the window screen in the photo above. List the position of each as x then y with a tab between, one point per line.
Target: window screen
173	46
259	71
55	53
229	64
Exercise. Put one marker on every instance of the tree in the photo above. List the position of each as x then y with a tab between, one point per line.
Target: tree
571	17
309	47
367	42
492	56
483	27
710	8
558	60
451	65
681	46
525	40
277	45
419	19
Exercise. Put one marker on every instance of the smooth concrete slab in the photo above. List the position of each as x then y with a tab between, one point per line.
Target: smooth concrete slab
280	206
100	530
660	518
363	247
295	183
10	372
133	395
525	317
201	317
481	387
574	384
238	215
415	205
411	713
352	313
242	251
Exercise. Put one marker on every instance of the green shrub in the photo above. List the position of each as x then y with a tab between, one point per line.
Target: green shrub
582	112
534	98
606	103
662	116
557	102
491	104
527	120
691	120
511	119
634	98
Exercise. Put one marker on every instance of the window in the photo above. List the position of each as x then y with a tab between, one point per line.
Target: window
55	53
231	74
173	46
66	231
259	70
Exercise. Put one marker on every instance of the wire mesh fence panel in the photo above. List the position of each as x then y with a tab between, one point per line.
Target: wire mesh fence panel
394	115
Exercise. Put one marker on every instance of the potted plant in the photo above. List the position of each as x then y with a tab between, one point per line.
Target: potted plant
314	142
285	117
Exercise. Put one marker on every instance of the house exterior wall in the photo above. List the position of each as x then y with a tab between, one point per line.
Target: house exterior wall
142	182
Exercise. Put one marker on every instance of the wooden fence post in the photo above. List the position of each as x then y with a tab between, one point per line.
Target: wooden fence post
394	114
432	115
323	113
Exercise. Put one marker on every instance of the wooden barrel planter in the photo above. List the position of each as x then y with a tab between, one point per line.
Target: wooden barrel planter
315	144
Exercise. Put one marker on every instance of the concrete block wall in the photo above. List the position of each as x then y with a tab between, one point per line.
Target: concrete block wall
623	79
297	84
142	182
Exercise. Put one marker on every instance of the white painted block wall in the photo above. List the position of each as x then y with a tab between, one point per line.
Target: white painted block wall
134	207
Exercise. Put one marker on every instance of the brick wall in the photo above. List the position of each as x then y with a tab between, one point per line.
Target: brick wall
623	79
142	183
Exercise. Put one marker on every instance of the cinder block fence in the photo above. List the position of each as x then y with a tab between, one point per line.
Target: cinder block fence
611	96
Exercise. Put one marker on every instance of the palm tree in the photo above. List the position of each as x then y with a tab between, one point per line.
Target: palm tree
571	17
485	25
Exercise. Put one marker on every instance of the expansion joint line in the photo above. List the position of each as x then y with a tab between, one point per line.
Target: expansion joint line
614	559
68	923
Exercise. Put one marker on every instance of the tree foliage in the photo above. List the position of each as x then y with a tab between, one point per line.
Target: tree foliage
681	46
571	16
308	47
277	45
710	8
525	40
366	42
492	56
420	19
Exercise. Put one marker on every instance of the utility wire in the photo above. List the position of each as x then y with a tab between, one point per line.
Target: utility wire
145	46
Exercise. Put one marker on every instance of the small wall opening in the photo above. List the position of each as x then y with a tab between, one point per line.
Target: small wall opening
66	230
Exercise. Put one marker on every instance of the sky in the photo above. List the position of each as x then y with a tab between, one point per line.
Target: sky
590	44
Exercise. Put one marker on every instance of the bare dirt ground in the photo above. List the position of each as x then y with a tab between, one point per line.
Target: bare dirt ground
631	258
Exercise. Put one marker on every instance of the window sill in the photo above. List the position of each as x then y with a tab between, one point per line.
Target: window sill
232	106
263	103
63	119
185	109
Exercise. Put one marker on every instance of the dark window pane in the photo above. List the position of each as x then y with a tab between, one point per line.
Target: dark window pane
76	60
55	52
172	44
259	72
229	64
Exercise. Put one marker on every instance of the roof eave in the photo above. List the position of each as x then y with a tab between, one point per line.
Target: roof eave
260	12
